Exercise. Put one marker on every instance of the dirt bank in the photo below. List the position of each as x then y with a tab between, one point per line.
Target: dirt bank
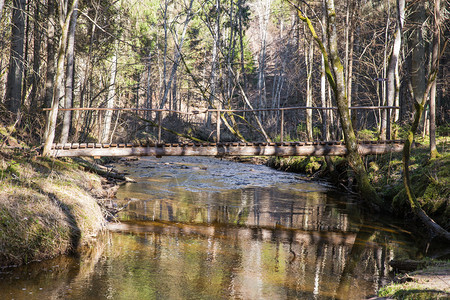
47	207
431	282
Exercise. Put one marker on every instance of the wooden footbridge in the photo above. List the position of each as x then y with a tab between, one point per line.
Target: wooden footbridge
221	149
330	148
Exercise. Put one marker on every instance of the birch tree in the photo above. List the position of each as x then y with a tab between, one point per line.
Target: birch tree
111	97
393	82
68	97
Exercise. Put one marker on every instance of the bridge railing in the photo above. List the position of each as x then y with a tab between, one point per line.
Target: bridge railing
160	114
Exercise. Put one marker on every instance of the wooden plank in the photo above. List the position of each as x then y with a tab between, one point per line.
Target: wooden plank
227	149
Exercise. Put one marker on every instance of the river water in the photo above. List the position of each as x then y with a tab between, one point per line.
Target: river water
203	228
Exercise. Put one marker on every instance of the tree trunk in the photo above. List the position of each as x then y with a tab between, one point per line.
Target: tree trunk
111	98
436	49
25	56
241	43
419	104
339	88
263	19
67	122
309	57
15	74
177	56
2	3
50	75
212	78
384	126
36	58
323	85
58	89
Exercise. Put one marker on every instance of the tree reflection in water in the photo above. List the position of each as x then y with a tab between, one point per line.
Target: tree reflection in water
189	235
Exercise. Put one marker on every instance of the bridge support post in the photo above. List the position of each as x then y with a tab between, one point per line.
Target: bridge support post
159	126
282	126
218	126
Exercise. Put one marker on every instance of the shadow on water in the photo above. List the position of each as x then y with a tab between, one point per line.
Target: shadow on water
231	232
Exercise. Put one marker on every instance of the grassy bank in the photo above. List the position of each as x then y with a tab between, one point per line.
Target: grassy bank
431	185
430	282
430	178
47	207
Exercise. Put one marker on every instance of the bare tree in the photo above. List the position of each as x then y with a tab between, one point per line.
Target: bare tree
50	75
337	82
436	49
421	89
111	97
393	82
65	15
263	7
35	78
68	97
177	55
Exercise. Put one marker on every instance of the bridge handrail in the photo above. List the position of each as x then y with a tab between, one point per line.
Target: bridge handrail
195	112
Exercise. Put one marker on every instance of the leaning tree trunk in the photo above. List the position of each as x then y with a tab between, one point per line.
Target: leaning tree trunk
58	89
419	104
353	157
14	80
337	83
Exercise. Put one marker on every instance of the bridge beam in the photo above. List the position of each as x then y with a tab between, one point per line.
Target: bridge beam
224	149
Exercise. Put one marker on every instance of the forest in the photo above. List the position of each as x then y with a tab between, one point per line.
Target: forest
211	72
111	71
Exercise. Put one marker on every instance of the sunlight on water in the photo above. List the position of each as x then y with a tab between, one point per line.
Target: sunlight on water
199	228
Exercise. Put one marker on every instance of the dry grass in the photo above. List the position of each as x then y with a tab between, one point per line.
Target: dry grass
47	208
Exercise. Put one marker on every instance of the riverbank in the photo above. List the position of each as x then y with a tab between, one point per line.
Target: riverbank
431	179
431	182
48	207
431	281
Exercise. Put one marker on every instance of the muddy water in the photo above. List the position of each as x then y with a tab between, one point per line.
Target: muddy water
201	228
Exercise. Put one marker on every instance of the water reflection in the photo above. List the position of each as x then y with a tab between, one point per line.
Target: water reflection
272	237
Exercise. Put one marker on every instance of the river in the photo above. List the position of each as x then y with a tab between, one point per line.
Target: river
204	228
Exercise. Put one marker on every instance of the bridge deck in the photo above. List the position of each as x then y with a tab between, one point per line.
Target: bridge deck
331	148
